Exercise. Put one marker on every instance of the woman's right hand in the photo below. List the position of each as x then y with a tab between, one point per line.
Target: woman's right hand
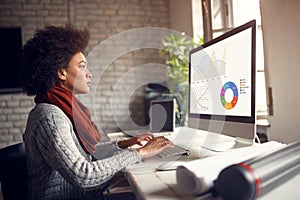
154	146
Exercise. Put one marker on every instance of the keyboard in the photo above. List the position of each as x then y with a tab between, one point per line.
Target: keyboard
118	137
122	136
167	152
167	133
172	151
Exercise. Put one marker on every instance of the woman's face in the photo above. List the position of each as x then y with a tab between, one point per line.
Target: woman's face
76	77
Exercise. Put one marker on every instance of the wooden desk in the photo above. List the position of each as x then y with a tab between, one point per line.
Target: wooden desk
162	185
148	183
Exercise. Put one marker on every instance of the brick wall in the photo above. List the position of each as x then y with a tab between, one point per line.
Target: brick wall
129	56
14	110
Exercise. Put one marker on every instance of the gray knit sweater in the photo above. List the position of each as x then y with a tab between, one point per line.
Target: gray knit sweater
58	166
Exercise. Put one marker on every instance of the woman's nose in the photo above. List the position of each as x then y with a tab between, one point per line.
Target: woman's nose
89	74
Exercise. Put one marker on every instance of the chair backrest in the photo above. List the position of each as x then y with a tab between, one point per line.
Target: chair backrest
13	172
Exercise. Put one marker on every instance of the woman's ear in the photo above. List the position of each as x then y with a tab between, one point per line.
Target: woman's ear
62	74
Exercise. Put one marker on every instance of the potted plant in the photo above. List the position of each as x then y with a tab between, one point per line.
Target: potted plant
175	50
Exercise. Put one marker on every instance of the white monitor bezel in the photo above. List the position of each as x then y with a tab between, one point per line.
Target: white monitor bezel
236	126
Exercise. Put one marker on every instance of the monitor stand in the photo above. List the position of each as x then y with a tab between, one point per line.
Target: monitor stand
226	144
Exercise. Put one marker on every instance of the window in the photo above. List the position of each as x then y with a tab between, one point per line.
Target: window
212	18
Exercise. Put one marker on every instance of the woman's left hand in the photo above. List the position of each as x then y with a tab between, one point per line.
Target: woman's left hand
137	140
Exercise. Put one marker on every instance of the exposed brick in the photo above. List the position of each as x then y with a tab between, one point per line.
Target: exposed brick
12	104
3	144
20	110
57	13
6	138
54	6
5	12
57	19
31	19
26	103
3	118
5	97
21	96
3	131
6	111
20	124
3	104
14	131
13	117
18	137
42	13
104	19
33	6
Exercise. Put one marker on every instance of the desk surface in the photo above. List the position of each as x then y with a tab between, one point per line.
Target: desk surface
148	183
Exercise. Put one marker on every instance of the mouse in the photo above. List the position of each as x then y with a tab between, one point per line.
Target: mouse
169	166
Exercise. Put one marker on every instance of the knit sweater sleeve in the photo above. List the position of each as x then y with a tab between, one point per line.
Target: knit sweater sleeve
55	140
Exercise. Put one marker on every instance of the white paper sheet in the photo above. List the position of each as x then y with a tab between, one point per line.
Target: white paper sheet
197	176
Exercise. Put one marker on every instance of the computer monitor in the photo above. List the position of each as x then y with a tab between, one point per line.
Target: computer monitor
222	84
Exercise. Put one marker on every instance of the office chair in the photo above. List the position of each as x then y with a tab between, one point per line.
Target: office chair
13	172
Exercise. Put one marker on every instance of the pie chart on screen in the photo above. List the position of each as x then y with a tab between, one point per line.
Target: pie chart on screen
229	95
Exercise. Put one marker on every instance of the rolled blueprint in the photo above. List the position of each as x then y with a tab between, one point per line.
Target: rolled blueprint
257	176
197	176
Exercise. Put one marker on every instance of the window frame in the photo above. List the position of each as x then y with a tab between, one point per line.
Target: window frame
227	23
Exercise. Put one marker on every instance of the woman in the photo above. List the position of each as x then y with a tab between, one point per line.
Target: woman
66	159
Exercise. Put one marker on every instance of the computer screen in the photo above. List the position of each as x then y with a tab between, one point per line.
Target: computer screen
222	84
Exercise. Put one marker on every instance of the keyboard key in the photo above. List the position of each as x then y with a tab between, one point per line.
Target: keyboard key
172	151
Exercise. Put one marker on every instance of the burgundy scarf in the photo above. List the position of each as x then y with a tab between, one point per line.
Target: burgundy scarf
80	116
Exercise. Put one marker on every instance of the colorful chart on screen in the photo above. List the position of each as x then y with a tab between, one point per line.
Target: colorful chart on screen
231	90
221	81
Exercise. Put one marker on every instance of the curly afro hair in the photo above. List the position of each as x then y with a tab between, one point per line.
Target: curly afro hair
49	50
